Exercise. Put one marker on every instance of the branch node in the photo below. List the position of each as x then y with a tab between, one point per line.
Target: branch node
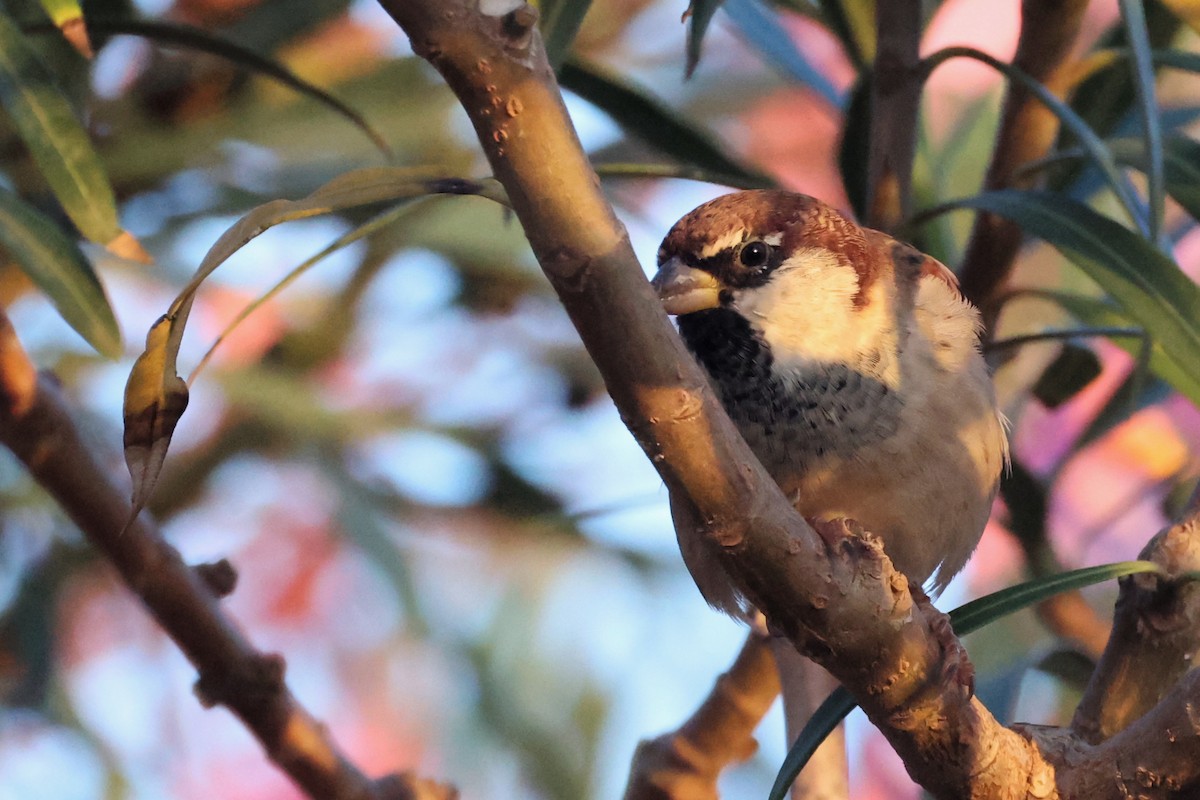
409	786
219	576
260	677
518	24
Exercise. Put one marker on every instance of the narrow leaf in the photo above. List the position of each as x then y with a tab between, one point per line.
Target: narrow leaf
55	139
366	229
853	23
623	170
965	619
700	14
823	722
653	121
155	396
1072	371
67	16
55	264
1182	172
357	188
1094	311
974	615
1181	159
561	20
762	30
1153	291
1143	70
179	35
1088	140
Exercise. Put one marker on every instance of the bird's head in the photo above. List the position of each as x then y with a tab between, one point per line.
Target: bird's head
810	282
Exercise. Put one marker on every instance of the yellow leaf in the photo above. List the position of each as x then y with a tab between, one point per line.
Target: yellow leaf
155	398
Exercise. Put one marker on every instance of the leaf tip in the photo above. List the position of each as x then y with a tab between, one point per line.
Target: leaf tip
126	245
75	32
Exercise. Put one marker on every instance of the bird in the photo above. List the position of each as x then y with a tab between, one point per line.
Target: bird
851	364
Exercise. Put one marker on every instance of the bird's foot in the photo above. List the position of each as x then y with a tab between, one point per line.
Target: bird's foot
834	531
956	666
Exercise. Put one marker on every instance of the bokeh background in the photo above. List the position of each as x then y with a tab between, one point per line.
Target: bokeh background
435	511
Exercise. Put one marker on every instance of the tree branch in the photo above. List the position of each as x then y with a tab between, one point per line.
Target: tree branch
1155	638
685	764
1026	133
37	426
895	105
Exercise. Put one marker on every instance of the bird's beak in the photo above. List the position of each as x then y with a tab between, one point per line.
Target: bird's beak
683	290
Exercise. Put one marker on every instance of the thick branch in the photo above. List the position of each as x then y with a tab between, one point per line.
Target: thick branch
685	764
1027	132
1155	638
845	605
1158	756
36	425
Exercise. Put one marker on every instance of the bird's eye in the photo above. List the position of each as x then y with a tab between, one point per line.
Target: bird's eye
754	254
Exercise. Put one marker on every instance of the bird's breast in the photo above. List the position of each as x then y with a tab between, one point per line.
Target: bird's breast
796	416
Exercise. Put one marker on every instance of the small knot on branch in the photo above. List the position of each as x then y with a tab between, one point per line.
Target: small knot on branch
219	576
519	22
409	786
259	678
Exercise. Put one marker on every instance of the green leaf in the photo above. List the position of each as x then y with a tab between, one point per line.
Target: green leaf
822	723
965	618
67	16
700	14
1072	371
681	172
1181	162
561	20
1088	140
366	229
1181	168
974	615
176	34
853	23
1147	284
1093	311
1143	70
762	30
1136	392
1104	100
155	395
55	264
653	121
55	139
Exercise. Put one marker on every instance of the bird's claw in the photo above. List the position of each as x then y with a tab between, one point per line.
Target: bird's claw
956	666
834	531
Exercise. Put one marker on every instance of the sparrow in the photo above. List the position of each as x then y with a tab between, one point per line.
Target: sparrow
851	364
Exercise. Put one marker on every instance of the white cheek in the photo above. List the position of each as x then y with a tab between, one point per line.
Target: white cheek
806	311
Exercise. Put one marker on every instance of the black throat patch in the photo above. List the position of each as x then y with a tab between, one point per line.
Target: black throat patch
792	421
